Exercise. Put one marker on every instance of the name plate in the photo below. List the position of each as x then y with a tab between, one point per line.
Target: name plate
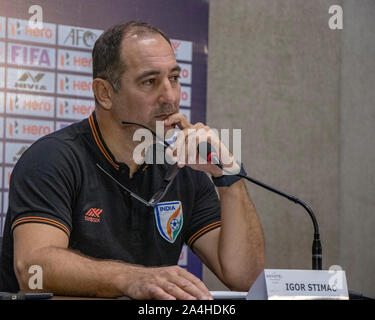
281	284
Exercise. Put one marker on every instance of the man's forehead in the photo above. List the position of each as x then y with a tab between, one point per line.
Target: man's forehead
139	49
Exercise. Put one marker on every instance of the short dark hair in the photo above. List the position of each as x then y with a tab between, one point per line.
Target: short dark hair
106	54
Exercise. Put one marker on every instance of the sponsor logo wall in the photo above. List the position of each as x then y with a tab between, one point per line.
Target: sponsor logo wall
46	84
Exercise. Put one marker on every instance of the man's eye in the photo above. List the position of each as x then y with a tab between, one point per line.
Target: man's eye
148	82
175	78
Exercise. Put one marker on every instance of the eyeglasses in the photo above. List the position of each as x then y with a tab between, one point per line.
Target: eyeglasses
166	183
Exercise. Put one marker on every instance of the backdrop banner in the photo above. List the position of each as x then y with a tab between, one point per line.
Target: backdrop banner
46	71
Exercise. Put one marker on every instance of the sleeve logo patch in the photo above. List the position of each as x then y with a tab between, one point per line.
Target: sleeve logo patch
169	219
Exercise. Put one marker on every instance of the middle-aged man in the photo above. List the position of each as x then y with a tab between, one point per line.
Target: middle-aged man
88	236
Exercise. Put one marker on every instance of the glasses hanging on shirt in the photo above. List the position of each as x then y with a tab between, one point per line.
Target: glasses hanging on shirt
167	180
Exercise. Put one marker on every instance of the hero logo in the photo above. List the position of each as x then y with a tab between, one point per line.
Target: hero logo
78	37
75	109
78	62
75	61
31	56
29	105
75	85
26	129
185	100
32	32
185	73
20	30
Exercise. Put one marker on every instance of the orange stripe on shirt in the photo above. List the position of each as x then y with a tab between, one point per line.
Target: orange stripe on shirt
43	220
99	143
202	231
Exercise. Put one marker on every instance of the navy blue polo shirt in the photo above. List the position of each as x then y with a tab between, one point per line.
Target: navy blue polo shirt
57	182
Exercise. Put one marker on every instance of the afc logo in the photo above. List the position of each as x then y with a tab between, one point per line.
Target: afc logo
79	37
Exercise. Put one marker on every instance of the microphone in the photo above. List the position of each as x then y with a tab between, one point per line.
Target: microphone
206	151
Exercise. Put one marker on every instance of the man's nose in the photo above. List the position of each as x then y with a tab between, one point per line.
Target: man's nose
167	92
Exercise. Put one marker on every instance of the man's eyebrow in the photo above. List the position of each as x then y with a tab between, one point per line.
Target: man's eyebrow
176	68
148	73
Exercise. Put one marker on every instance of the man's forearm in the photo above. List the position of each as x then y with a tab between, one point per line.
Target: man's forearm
66	272
241	243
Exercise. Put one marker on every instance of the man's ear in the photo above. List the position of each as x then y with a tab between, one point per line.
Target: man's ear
103	92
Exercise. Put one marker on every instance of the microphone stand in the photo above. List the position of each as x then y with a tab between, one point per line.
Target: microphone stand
316	246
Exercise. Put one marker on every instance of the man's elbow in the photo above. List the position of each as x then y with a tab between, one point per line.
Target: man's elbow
242	280
29	274
21	269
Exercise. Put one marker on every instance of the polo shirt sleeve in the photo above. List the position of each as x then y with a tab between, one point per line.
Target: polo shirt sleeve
206	210
43	185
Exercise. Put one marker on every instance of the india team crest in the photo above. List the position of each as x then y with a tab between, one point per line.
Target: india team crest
169	219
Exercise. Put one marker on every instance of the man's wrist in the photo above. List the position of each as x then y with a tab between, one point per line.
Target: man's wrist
226	180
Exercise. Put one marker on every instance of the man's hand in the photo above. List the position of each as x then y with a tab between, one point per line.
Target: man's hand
165	283
184	151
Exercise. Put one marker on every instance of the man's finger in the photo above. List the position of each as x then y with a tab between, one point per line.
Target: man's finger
178	292
156	292
197	282
178	119
193	289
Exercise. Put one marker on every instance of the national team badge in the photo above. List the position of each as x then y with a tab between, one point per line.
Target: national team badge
169	219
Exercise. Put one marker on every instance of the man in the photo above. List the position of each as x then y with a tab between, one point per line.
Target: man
88	235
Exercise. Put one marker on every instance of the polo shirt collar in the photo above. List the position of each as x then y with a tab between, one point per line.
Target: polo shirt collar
100	141
106	152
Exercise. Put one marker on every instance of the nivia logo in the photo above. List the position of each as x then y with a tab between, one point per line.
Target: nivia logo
30	80
19	152
14	150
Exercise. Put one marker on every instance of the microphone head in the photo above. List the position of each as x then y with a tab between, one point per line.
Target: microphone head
206	151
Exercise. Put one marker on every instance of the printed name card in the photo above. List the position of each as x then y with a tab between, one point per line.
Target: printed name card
281	284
